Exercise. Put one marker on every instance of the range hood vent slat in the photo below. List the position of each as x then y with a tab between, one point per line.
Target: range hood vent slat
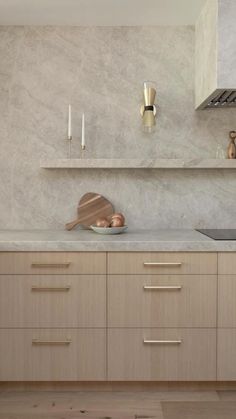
222	99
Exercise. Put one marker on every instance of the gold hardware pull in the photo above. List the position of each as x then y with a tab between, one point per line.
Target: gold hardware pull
37	288
162	288
164	264
163	342
51	342
50	265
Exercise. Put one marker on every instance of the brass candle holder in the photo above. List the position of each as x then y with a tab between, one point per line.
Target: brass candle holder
82	151
69	140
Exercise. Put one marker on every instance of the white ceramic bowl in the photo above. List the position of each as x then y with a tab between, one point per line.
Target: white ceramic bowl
108	230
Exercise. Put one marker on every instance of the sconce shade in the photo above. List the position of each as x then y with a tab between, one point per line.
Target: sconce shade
148	109
149	121
149	94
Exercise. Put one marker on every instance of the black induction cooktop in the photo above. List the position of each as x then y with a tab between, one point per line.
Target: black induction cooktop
219	234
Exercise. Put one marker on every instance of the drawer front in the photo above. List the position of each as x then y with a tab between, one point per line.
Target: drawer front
52	355
226	354
162	263
226	300
52	263
227	263
53	301
166	355
162	300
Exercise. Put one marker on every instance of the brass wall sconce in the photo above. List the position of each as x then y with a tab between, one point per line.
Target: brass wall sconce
148	109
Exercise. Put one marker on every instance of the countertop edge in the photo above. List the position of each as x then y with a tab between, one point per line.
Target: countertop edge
165	240
167	246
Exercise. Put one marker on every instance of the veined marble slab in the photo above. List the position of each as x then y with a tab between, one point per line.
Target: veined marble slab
132	241
42	69
137	164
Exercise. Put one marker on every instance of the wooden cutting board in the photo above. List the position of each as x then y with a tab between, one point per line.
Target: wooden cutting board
91	207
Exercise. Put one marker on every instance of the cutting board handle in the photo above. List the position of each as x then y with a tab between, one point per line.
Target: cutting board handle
72	224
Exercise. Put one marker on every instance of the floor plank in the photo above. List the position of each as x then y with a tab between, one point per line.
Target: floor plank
129	398
86	415
227	395
79	405
199	410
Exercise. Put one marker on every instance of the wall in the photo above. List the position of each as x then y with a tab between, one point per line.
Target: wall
101	71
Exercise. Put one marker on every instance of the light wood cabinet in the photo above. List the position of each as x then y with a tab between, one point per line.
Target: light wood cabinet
52	263
226	339
52	354
52	301
162	311
162	263
226	355
162	300
154	312
52	316
162	354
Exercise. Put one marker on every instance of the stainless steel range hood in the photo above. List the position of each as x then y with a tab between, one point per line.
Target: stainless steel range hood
215	55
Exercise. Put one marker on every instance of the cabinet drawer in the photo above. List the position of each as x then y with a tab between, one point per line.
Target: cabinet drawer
52	263
167	355
227	263
52	355
162	263
53	301
162	300
226	354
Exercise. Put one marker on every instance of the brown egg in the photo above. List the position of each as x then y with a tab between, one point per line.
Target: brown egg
102	222
119	215
116	222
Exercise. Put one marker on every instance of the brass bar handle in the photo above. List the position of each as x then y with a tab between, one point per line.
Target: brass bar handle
162	288
39	289
51	342
50	265
164	264
163	342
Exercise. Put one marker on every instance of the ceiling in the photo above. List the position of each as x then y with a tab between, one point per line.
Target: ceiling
99	12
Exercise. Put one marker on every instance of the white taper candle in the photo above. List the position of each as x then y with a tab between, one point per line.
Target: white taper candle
69	122
83	132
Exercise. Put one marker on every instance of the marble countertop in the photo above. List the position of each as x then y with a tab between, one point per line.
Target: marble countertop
132	240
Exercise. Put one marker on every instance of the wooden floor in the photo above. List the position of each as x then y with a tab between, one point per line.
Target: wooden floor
122	405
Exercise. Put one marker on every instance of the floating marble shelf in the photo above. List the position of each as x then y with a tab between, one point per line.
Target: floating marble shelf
137	164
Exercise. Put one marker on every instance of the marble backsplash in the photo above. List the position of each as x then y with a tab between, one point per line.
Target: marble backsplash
100	71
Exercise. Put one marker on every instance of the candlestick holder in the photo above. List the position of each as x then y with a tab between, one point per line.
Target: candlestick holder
69	140
82	151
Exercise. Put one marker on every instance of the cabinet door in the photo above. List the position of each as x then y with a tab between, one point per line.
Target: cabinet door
52	354
162	300
162	263
52	301
162	354
226	355
226	300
